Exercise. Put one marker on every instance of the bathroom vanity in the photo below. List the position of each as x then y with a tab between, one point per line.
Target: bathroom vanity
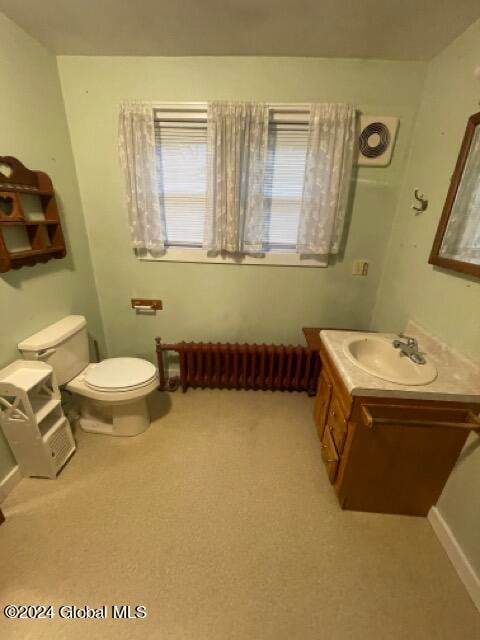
387	447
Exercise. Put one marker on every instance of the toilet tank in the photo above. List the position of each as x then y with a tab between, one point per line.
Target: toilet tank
63	345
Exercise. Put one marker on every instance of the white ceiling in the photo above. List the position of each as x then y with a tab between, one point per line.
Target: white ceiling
391	29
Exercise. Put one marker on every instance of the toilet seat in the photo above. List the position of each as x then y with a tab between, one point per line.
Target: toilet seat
120	374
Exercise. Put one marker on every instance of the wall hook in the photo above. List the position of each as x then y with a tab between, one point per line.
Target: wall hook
419	197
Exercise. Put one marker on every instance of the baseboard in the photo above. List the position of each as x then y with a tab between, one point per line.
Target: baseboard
466	572
9	482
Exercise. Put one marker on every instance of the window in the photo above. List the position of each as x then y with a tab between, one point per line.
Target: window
182	179
284	176
181	145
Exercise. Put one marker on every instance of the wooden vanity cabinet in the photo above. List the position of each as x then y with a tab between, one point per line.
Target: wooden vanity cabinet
387	455
322	402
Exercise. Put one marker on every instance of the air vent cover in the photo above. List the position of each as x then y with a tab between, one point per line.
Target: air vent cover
376	140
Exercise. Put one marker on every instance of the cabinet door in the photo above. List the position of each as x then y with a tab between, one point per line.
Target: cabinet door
322	402
330	455
401	455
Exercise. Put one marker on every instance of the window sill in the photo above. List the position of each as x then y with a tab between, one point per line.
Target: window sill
273	259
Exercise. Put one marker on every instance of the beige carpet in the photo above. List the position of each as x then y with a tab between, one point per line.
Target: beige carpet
220	520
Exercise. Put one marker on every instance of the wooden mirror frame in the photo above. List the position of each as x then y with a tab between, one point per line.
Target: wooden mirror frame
435	256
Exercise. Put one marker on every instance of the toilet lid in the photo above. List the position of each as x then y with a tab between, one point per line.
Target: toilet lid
120	374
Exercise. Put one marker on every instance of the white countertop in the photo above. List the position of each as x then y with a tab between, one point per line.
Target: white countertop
458	377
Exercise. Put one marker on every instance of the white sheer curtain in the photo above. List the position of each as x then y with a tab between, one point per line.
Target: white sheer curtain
237	143
462	237
136	137
328	170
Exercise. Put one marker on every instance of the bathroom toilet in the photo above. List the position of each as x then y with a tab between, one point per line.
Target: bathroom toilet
111	395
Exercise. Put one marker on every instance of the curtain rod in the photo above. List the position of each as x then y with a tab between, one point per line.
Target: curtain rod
287	106
200	105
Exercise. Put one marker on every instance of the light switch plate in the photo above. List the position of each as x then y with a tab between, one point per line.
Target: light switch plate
360	268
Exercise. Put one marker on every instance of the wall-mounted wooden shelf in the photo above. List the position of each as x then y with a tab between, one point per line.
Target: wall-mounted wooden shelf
30	227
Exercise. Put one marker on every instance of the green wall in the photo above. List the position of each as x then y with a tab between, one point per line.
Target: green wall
34	129
445	302
229	302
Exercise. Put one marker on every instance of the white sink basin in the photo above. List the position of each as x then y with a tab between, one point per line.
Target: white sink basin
376	355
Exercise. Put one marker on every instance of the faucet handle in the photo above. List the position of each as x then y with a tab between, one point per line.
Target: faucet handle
410	340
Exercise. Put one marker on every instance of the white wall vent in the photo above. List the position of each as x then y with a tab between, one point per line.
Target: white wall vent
376	140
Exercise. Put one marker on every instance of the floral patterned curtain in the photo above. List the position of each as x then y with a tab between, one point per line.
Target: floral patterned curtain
237	143
137	157
328	170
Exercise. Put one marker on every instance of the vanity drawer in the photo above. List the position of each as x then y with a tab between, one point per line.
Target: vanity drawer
330	455
322	402
337	424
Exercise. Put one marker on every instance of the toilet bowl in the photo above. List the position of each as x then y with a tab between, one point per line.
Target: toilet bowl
111	395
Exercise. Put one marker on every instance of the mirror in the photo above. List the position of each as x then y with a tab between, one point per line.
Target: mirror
457	242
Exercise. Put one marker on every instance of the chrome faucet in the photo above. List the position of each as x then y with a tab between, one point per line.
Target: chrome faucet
409	348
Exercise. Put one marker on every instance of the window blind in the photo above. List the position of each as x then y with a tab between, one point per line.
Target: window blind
284	177
181	149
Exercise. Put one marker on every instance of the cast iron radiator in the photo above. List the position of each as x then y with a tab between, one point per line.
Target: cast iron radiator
241	366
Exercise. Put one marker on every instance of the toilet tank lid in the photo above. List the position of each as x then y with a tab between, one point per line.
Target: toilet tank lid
53	334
